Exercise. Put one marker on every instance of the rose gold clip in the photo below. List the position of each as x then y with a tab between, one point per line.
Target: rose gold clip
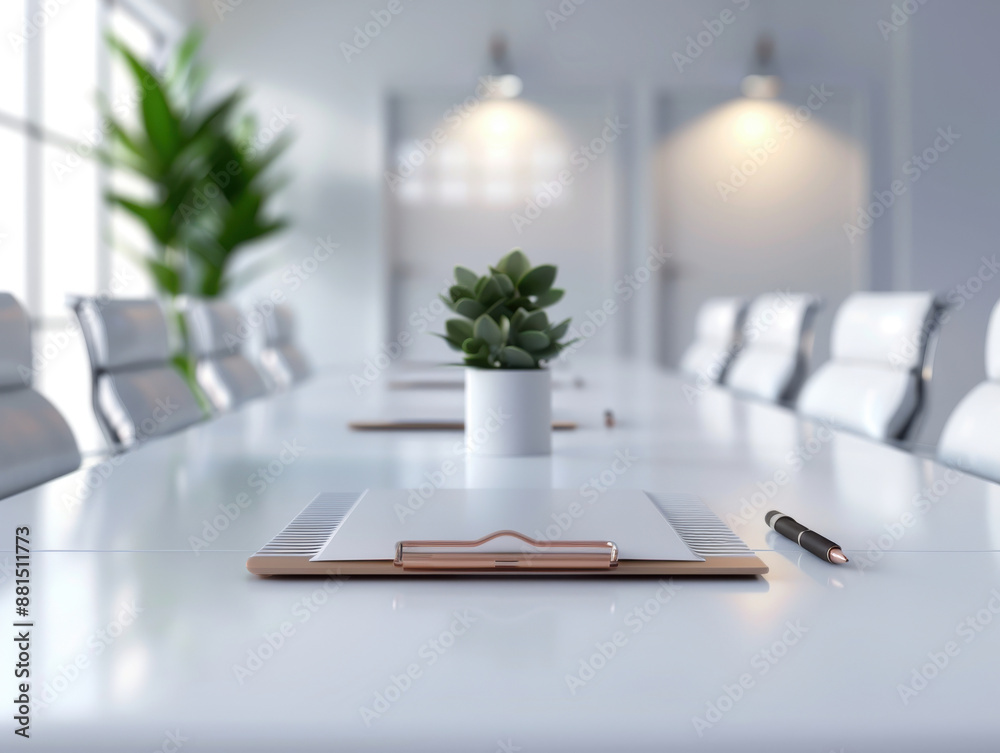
550	555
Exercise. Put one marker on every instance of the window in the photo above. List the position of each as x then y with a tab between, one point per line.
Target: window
54	233
56	238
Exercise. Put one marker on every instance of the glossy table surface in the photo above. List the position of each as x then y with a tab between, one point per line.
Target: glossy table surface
149	634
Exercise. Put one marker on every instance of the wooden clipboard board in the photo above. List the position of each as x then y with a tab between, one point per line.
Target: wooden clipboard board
433	425
292	550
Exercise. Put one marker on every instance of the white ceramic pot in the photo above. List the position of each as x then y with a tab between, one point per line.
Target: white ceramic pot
508	411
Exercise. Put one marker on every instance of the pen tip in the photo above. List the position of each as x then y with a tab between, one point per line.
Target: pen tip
837	556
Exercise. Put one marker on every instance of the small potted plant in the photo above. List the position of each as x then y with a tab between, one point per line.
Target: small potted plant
507	340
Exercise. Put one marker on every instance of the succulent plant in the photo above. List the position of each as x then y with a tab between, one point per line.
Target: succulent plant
504	325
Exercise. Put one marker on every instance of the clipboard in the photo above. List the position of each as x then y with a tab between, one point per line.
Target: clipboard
433	424
293	550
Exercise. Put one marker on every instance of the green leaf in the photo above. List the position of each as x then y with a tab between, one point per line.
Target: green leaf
537	280
212	284
535	320
497	309
447	302
504	329
522	302
550	297
466	277
460	291
458	330
516	358
476	346
469	308
139	156
162	126
490	292
517	319
167	278
156	218
547	353
506	285
488	330
261	161
480	283
515	264
478	362
533	340
216	116
557	332
182	60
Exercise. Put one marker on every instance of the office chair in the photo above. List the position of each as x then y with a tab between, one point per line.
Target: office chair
882	354
216	334
717	338
969	439
137	391
777	344
36	443
281	359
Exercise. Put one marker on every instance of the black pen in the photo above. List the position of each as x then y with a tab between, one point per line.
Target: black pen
811	541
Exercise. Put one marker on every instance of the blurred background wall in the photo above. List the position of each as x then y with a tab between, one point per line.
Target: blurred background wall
893	76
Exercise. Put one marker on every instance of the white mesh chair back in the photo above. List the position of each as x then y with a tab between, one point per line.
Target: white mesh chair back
216	335
281	358
138	393
717	338
777	344
882	349
36	443
971	438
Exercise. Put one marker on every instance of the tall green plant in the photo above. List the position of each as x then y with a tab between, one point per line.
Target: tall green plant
209	191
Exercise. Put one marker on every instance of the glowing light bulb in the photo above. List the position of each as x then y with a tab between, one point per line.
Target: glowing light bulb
752	127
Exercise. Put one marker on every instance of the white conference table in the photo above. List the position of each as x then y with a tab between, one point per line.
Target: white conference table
150	634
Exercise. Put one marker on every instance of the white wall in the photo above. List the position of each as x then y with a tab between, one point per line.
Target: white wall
753	196
935	71
955	214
